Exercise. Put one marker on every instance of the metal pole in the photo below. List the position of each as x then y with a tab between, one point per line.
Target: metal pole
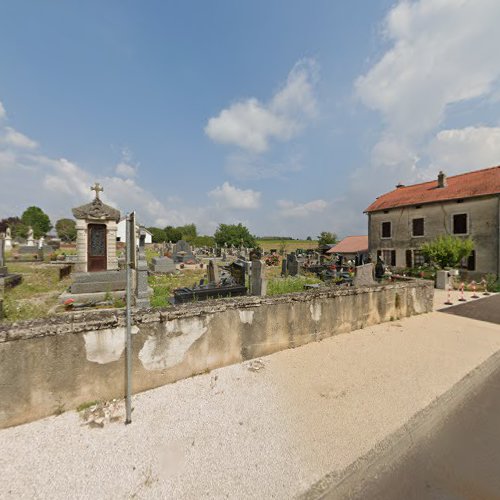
128	253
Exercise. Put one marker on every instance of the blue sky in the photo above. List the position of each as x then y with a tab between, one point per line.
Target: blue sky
288	116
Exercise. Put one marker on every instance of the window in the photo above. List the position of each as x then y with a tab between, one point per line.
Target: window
469	262
418	227
386	229
418	258
409	259
388	256
460	224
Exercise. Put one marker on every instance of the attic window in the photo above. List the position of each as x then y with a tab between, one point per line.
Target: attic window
386	211
418	206
460	201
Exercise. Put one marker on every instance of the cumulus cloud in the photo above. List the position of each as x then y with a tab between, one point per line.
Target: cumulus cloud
59	184
228	196
443	52
125	170
3	114
457	150
250	124
15	139
291	209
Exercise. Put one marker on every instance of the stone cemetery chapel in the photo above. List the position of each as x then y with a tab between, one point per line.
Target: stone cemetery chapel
96	226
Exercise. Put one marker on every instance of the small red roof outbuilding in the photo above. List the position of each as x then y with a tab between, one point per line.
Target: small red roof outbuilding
351	244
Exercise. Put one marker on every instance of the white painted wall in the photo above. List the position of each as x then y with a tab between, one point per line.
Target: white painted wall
121	233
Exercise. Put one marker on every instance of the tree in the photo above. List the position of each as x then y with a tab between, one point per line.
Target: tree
188	232
309	238
326	238
447	251
17	228
38	220
203	241
66	229
157	234
172	234
234	234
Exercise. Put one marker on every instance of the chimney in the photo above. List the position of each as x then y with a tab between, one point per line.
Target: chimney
442	180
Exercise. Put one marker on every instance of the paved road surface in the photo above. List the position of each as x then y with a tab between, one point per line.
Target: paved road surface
486	309
461	460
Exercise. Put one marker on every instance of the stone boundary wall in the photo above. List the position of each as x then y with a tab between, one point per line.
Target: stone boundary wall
55	364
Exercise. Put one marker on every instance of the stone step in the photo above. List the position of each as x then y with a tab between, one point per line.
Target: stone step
98	286
100	277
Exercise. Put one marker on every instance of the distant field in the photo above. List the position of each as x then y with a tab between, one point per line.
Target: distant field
290	245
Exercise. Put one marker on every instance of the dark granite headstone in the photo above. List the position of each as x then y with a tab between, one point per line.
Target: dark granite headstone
292	264
238	272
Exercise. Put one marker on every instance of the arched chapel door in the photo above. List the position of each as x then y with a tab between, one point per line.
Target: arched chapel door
97	255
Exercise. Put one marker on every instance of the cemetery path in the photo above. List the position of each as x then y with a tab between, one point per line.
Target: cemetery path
267	428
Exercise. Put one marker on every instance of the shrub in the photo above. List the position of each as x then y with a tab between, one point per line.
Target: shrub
447	251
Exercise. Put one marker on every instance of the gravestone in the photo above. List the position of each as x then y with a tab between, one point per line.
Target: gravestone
292	264
258	282
364	275
182	252
162	265
8	239
238	272
142	291
31	239
3	268
212	272
284	266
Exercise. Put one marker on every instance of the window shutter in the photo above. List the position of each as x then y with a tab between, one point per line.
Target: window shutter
471	261
409	262
393	257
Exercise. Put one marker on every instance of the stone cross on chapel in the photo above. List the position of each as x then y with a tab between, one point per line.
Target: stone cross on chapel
97	188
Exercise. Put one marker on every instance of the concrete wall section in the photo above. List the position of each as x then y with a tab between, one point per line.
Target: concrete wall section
57	364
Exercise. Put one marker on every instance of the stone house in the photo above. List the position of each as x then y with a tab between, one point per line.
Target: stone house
465	205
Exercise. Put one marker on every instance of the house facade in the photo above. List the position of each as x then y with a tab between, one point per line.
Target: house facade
466	205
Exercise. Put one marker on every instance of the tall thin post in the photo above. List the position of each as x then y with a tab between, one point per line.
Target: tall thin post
128	255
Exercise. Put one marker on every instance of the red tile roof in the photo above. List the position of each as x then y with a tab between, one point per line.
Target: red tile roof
477	183
351	244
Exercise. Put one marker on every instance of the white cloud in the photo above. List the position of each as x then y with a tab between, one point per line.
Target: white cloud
443	52
15	139
291	209
126	170
250	124
3	114
228	196
440	53
458	150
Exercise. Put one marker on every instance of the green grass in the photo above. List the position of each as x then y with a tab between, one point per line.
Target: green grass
288	245
36	295
163	285
290	284
86	405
